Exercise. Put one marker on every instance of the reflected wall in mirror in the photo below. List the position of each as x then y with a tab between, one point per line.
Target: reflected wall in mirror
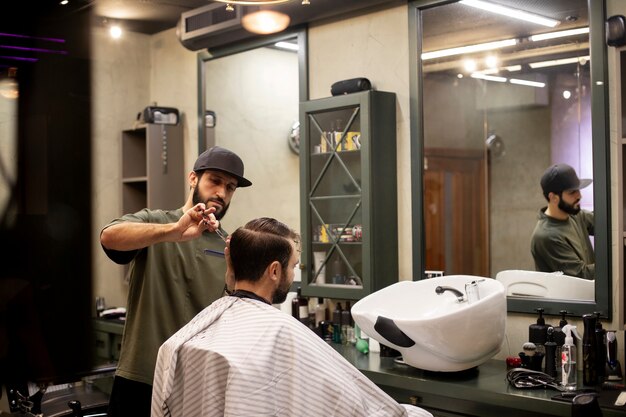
254	96
8	147
495	117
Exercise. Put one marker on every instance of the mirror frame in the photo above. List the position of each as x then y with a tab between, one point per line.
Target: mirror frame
601	165
204	56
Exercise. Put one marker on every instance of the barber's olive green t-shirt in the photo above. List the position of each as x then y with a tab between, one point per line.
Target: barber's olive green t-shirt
169	284
564	245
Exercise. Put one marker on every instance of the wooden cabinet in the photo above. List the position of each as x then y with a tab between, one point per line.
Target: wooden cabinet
152	168
348	195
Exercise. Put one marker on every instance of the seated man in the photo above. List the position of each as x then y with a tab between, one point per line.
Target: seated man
242	357
560	241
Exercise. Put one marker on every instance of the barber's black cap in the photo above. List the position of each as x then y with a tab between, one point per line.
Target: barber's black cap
221	159
561	177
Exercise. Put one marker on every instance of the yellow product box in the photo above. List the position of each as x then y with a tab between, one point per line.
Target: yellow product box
352	142
324	234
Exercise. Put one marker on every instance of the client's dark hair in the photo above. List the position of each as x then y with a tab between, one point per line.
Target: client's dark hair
259	243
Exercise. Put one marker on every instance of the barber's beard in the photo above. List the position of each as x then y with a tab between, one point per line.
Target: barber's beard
569	208
220	211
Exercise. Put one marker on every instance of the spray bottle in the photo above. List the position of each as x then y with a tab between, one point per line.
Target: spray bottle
568	359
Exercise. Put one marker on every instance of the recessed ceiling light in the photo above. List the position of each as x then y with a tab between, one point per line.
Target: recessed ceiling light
265	22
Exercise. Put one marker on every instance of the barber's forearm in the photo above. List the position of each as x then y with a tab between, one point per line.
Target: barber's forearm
131	236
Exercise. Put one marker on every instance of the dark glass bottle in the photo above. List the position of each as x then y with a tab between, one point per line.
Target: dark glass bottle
337	323
590	374
600	336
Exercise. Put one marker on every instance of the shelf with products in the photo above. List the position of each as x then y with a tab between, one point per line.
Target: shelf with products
349	199
152	167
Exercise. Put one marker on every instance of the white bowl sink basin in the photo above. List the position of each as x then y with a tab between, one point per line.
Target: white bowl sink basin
520	283
437	332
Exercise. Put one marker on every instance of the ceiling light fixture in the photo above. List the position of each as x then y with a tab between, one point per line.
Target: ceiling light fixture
559	34
469	49
265	22
115	31
514	13
230	3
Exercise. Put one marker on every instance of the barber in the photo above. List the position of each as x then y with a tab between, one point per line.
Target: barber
560	241
171	278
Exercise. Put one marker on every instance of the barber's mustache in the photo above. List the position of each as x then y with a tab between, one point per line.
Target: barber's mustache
217	200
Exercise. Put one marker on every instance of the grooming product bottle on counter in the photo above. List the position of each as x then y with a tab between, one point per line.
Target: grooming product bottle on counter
569	379
538	332
613	369
590	374
345	324
337	323
320	311
551	359
600	336
559	339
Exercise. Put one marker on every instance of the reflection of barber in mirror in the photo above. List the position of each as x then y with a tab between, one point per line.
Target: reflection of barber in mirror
560	241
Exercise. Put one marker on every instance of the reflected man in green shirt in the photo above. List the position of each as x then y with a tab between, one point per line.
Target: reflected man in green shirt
560	241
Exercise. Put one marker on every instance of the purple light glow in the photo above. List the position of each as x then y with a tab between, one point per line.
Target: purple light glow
18	58
13	35
22	48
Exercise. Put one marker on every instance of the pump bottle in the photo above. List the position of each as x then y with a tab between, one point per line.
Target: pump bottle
550	353
569	377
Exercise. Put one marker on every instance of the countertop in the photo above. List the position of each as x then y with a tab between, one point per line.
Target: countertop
481	391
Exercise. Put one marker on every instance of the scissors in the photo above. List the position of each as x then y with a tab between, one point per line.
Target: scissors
221	233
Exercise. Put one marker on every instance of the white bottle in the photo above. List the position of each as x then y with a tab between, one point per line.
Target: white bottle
568	359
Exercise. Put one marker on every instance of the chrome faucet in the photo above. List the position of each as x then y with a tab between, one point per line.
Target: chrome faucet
471	291
459	295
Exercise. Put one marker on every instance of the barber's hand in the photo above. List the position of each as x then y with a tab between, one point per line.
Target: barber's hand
196	220
230	275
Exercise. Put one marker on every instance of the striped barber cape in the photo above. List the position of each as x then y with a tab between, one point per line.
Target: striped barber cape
242	357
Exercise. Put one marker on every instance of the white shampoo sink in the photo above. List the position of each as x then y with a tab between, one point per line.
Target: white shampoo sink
437	332
520	283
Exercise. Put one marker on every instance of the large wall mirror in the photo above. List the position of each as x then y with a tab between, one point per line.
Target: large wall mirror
498	101
249	102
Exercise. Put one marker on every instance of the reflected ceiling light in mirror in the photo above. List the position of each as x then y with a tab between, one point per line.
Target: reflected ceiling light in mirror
265	22
559	34
115	31
513	68
479	47
528	83
491	61
510	68
510	12
287	45
582	60
487	77
469	65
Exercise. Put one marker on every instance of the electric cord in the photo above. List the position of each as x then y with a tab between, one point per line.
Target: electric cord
525	378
